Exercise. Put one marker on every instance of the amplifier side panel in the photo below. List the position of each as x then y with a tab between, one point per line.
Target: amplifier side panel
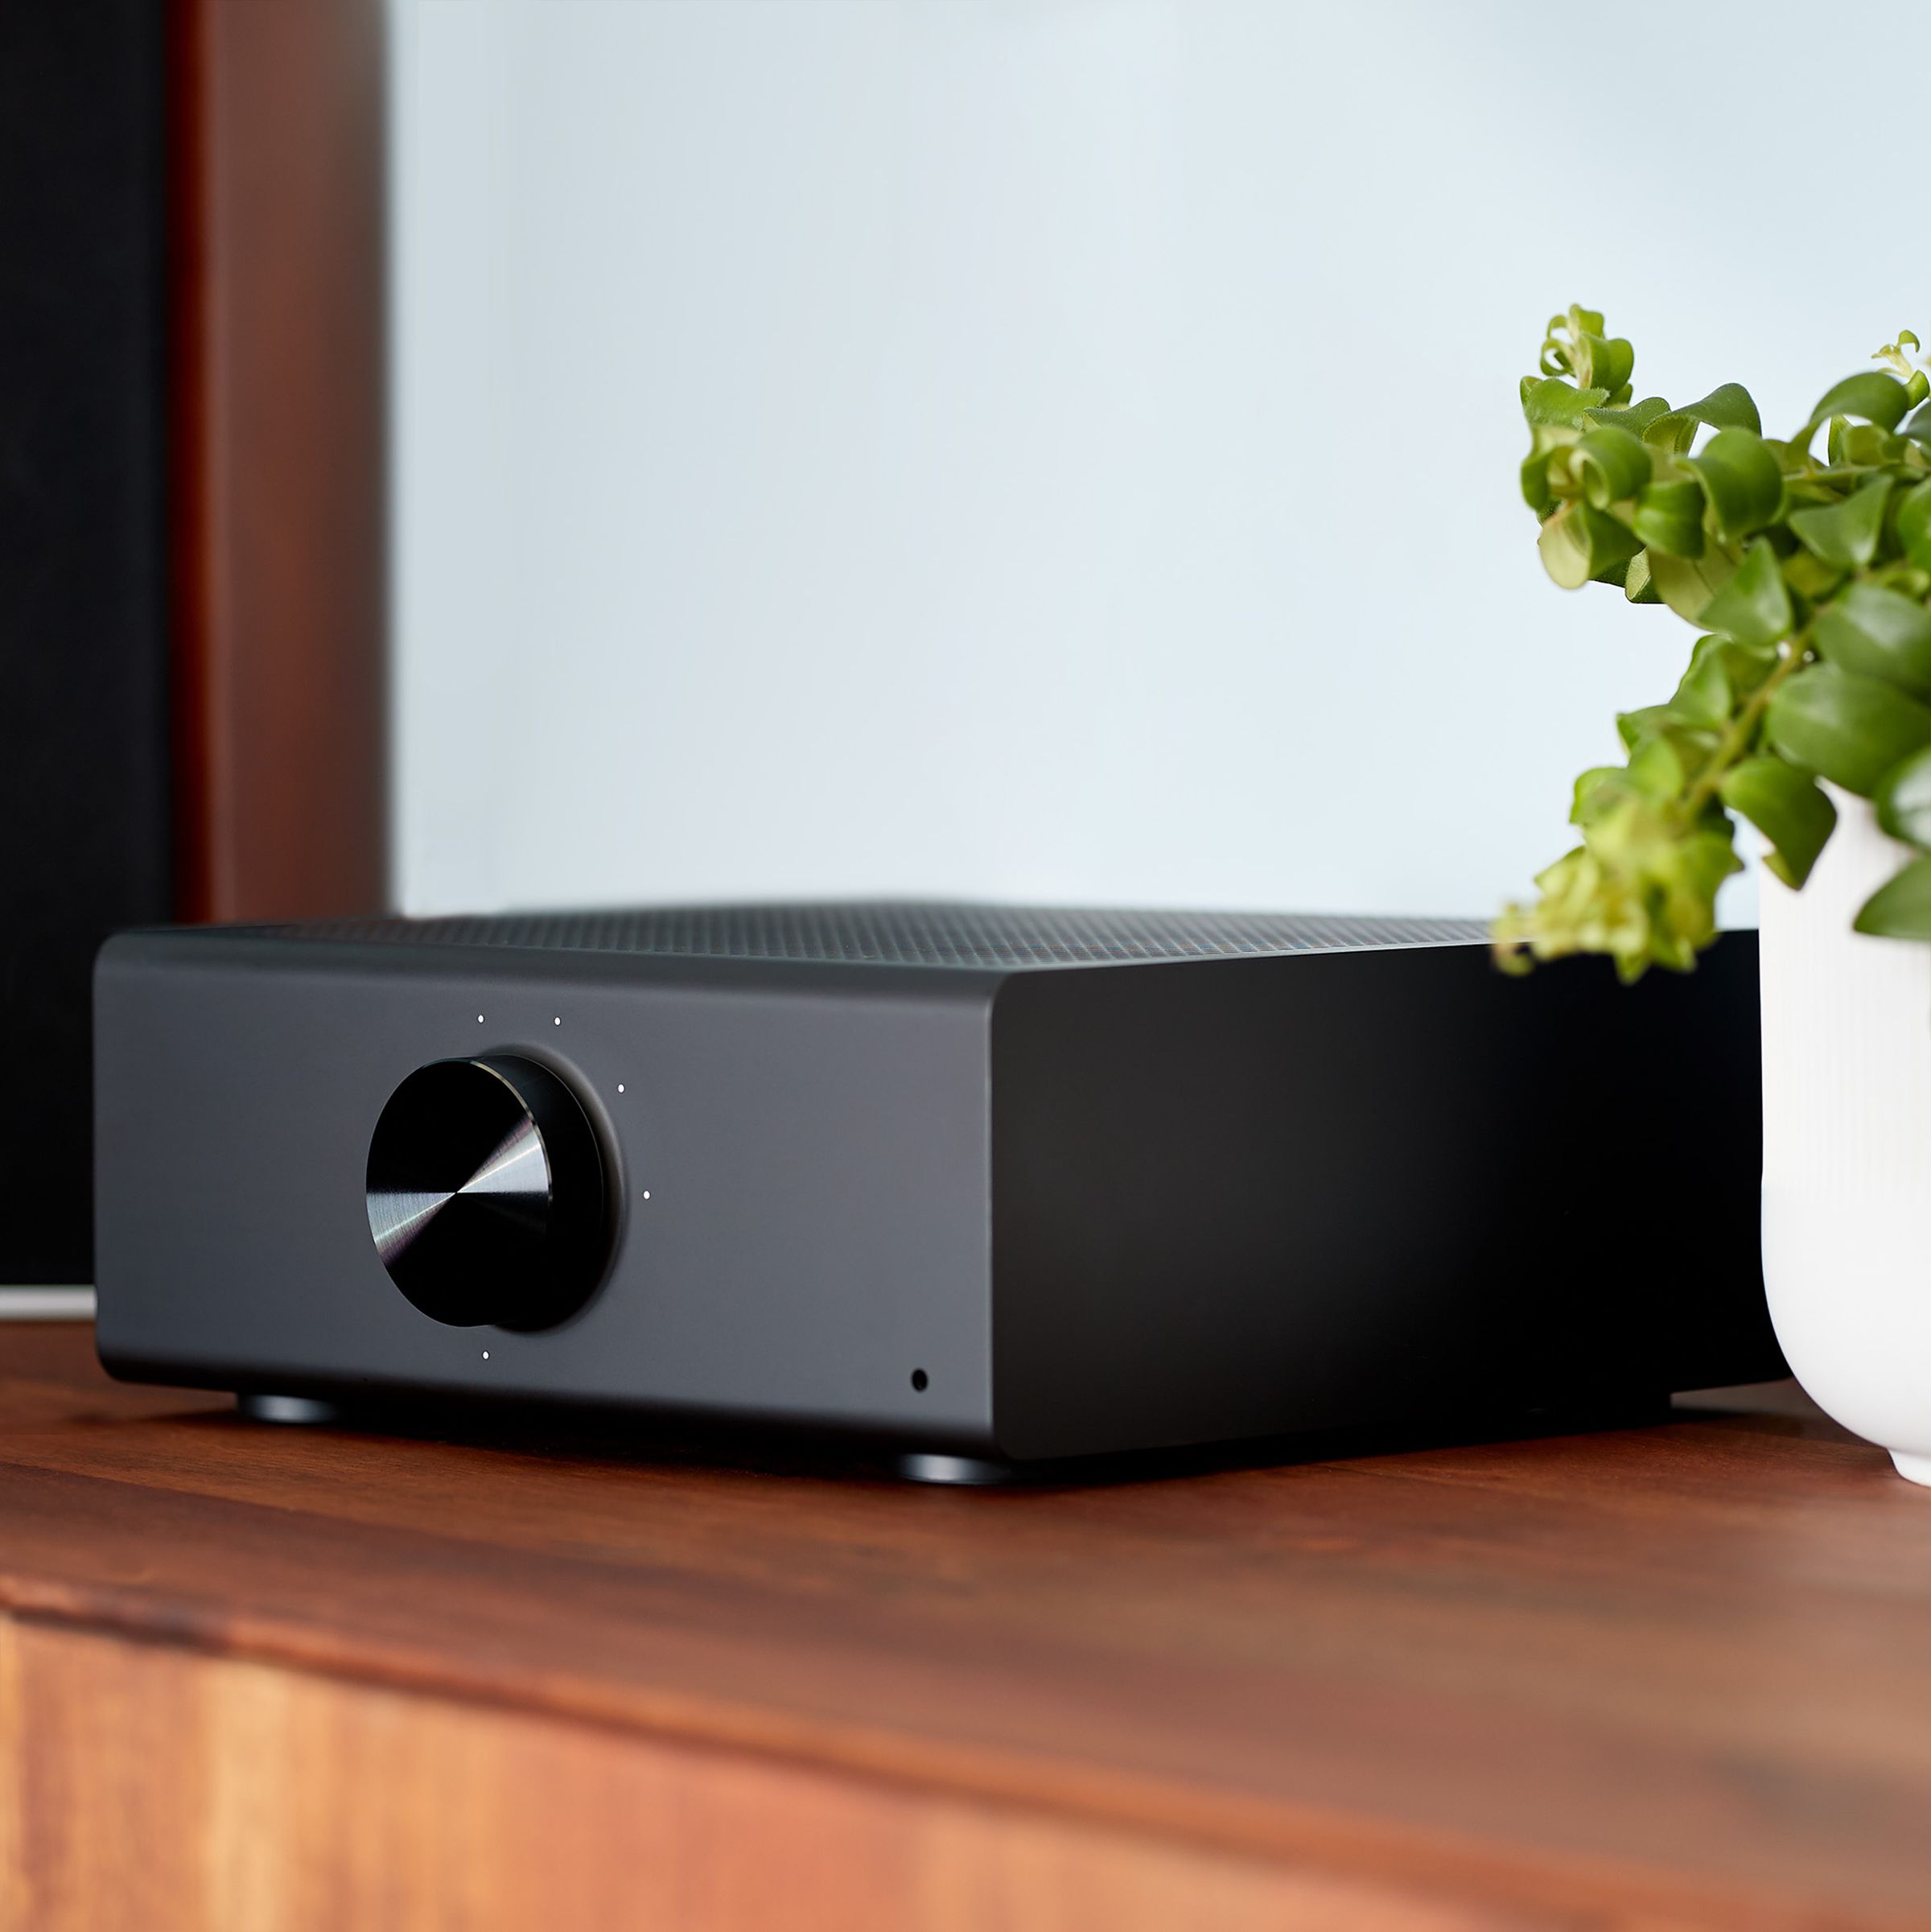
1375	1189
802	1158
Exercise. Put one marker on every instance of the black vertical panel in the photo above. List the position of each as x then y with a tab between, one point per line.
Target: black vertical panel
84	818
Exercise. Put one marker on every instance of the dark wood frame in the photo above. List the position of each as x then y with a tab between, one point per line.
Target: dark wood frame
193	713
278	460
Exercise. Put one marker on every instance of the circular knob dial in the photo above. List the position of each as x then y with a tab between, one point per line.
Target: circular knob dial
487	1198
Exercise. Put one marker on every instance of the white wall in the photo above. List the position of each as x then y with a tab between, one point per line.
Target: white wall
1059	449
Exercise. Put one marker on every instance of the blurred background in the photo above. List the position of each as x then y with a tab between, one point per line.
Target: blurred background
472	454
1060	449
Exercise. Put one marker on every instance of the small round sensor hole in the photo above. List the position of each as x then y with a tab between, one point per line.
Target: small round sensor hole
920	1379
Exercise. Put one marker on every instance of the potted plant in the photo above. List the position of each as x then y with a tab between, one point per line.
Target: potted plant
1806	709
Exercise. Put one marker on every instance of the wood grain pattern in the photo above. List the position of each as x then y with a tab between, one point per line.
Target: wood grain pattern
277	468
289	1803
1669	1676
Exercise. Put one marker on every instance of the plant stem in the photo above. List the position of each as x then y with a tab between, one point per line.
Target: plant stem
1736	739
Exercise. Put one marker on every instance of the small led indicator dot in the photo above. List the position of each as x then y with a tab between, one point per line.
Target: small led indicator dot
479	1019
557	1021
486	1354
620	1086
647	1193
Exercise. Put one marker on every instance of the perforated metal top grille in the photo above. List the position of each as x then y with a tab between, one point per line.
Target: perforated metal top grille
895	932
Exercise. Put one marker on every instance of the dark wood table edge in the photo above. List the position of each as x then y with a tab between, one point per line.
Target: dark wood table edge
1424	1862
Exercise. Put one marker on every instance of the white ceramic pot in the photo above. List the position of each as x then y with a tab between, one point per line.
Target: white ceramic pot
1847	1146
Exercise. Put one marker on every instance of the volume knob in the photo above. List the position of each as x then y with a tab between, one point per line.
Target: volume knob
486	1193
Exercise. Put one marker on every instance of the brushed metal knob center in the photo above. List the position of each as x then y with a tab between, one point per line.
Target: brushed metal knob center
486	1194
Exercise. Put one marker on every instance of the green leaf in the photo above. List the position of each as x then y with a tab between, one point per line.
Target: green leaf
1914	525
1635	419
1579	541
1575	344
1560	331
1729	406
1611	464
1901	908
1918	427
1635	729
1536	491
1788	806
1880	633
1742	481
1809	577
1849	729
1858	445
1631	727
1607	362
1548	399
1903	802
1658	768
1706	692
1674	875
1874	395
1669	517
1686	584
1639	586
1846	533
1754	606
1596	790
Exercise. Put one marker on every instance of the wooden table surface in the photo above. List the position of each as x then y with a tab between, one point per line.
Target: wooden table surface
261	1678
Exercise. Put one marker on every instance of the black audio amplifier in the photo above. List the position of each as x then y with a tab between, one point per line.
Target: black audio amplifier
995	1185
